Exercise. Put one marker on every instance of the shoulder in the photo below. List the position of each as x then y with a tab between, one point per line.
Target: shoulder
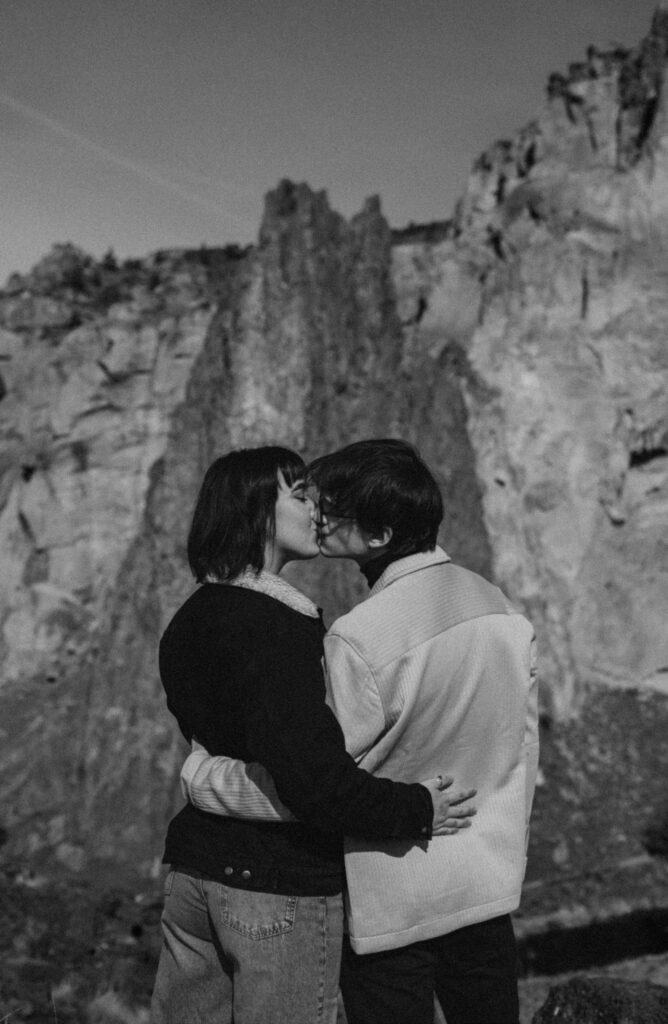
208	600
362	633
233	626
416	607
215	597
228	614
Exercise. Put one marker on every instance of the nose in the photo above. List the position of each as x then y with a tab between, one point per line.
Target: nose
318	518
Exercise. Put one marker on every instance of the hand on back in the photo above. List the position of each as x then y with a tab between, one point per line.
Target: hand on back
452	811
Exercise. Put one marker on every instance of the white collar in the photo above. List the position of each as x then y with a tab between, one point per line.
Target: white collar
407	565
273	586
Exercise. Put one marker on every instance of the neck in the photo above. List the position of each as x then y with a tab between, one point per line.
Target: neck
274	560
373	568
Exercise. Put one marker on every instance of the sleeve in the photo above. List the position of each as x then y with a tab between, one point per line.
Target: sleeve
232	788
353	696
294	734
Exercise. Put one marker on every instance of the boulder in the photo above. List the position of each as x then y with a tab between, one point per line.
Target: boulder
592	1000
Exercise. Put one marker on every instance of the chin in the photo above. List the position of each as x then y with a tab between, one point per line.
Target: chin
326	553
296	556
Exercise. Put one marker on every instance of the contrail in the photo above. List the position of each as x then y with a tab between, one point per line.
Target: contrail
103	153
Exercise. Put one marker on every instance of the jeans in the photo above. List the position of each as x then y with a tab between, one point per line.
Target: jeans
473	971
249	957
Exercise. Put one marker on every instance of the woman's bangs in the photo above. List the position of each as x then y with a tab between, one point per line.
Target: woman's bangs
293	468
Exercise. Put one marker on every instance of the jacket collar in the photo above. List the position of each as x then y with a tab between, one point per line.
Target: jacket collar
408	565
273	586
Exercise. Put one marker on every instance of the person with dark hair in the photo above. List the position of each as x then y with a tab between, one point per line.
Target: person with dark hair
384	489
252	921
436	665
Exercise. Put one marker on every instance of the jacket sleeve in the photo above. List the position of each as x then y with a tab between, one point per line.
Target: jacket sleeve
294	734
232	788
353	696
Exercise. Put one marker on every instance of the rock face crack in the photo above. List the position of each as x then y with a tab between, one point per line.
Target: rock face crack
644	455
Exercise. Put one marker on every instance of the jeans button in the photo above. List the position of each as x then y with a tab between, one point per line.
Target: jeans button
229	871
246	875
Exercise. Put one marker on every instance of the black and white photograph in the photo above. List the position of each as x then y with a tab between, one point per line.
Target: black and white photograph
334	512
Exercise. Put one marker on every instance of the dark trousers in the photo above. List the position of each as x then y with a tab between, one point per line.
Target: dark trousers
473	971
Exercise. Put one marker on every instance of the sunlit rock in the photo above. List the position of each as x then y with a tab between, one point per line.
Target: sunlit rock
521	346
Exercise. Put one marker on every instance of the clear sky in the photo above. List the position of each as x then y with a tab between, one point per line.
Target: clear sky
143	124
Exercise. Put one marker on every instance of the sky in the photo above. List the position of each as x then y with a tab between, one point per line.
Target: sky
136	125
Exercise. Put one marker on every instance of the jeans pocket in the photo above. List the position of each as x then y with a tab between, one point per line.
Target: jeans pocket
257	915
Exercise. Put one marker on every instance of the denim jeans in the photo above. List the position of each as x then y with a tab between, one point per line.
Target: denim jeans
249	957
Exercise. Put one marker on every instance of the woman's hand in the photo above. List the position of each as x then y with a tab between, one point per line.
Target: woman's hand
451	811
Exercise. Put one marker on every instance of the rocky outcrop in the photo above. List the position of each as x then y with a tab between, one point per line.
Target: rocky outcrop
96	362
551	288
119	391
521	346
554	290
590	1000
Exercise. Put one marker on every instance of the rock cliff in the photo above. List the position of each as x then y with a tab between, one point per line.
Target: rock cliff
522	346
552	285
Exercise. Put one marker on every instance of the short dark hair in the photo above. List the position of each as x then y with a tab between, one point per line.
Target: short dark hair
235	511
381	483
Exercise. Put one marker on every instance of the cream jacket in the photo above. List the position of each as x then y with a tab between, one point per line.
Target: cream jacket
435	670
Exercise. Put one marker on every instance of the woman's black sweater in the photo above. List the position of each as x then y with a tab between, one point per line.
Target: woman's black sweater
242	672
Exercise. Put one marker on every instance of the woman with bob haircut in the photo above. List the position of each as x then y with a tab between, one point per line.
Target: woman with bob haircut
252	923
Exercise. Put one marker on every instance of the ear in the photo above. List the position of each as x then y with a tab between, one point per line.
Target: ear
382	539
